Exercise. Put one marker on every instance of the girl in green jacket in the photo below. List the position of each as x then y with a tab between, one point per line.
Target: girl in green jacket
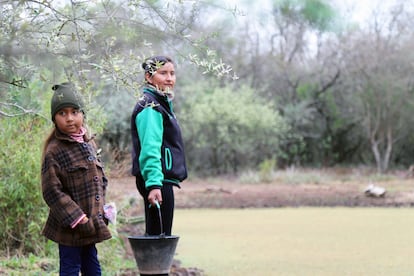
158	152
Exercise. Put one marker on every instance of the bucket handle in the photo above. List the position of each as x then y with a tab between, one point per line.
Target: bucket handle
159	215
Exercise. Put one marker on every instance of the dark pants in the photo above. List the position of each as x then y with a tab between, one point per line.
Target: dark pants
152	220
74	259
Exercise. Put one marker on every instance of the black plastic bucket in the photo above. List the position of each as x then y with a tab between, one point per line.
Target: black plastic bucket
153	254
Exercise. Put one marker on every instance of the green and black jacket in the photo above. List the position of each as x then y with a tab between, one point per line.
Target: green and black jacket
158	152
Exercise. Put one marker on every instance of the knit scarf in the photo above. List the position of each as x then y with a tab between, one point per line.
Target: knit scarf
79	137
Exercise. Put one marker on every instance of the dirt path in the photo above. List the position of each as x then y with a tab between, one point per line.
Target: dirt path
231	194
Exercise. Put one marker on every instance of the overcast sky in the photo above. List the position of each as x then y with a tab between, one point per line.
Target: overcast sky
356	10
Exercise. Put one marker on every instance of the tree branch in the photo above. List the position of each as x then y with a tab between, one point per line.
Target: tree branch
18	83
22	109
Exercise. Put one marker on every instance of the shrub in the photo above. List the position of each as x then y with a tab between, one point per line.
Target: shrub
267	168
21	203
227	131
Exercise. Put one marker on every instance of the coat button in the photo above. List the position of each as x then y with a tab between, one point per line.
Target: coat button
85	145
95	178
99	215
97	197
91	158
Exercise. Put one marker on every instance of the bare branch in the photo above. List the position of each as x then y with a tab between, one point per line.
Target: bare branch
22	110
18	83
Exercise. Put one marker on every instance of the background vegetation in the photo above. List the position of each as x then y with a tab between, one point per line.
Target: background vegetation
296	84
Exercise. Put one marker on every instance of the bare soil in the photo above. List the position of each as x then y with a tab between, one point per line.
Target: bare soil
229	193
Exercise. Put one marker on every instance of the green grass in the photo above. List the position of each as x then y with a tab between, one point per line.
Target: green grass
111	256
302	241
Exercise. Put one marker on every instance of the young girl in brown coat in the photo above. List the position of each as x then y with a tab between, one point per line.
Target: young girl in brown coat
73	186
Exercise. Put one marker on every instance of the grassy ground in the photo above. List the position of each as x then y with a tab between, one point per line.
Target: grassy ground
297	241
225	230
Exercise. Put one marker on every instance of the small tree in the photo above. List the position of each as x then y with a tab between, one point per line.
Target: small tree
380	72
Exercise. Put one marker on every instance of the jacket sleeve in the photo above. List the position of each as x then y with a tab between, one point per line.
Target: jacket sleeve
150	128
61	205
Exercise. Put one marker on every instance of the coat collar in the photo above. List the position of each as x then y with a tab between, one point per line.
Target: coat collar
62	136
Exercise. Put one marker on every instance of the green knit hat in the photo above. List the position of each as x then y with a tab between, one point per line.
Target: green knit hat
65	95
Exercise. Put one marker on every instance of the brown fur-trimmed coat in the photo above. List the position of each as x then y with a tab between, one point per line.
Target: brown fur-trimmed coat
73	183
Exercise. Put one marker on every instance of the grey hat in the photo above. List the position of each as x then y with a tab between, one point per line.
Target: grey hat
65	95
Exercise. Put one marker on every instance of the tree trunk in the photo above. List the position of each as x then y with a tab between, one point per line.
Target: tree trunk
382	159
377	154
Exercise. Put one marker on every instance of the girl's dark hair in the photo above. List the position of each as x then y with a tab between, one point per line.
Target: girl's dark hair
152	64
46	143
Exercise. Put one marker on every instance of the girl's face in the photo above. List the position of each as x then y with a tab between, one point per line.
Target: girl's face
69	120
163	78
